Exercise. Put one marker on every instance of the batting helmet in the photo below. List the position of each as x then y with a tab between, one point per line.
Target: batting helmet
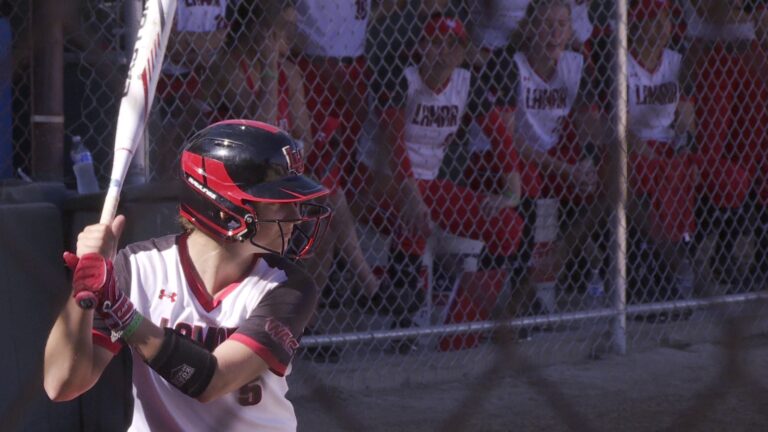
231	165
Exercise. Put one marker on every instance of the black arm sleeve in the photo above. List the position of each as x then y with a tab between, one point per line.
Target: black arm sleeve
274	327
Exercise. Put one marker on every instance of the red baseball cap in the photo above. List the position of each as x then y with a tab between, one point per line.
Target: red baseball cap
647	9
443	26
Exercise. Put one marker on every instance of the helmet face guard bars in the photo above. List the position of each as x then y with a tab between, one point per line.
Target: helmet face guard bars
308	228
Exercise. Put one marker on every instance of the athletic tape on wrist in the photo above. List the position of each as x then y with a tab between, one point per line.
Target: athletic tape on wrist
184	364
131	328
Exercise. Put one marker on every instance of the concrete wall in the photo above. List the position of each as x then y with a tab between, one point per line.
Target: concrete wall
37	223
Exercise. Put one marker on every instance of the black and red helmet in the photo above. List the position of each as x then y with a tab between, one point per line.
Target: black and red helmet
231	165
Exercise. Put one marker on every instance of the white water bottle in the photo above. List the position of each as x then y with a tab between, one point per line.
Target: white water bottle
596	290
82	165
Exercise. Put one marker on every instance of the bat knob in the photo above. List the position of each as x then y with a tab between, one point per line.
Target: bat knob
86	300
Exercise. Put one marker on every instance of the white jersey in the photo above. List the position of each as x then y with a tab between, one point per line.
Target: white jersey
653	97
542	105
431	119
166	289
333	28
201	16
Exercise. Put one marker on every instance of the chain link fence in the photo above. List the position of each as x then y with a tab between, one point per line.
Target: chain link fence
542	173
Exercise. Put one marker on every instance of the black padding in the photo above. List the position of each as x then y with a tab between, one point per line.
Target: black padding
184	364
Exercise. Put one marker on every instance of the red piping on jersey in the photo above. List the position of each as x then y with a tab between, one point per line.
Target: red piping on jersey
105	342
275	365
494	128
196	284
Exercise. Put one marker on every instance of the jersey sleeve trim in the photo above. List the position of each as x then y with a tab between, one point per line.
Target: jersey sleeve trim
277	367
105	341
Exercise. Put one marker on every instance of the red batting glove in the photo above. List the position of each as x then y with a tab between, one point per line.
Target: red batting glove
94	285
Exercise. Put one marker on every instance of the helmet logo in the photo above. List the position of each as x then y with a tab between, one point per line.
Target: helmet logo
201	188
294	158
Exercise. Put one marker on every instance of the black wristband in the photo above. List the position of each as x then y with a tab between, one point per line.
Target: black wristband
184	364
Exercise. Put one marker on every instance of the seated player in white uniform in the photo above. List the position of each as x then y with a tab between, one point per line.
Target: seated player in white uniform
661	121
544	91
419	111
213	315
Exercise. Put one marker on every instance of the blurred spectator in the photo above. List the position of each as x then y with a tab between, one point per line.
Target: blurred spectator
661	126
395	31
331	41
731	109
544	92
256	78
420	109
497	23
199	30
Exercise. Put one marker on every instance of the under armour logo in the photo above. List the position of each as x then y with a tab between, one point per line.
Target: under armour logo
171	296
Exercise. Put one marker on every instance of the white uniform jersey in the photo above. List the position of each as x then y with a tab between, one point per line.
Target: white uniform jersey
653	97
542	105
333	28
201	16
431	119
166	289
698	28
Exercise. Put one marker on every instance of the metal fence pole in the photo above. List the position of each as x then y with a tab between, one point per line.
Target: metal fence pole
47	90
620	179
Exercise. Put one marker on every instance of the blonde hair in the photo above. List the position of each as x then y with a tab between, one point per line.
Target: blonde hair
186	225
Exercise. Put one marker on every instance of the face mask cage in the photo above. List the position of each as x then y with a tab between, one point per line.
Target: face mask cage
308	228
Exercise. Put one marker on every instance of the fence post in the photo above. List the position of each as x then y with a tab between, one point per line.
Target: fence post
620	179
47	90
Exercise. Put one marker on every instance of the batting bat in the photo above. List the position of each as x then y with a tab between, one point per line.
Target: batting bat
138	93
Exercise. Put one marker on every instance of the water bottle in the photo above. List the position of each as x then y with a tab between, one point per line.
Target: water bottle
596	291
82	165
